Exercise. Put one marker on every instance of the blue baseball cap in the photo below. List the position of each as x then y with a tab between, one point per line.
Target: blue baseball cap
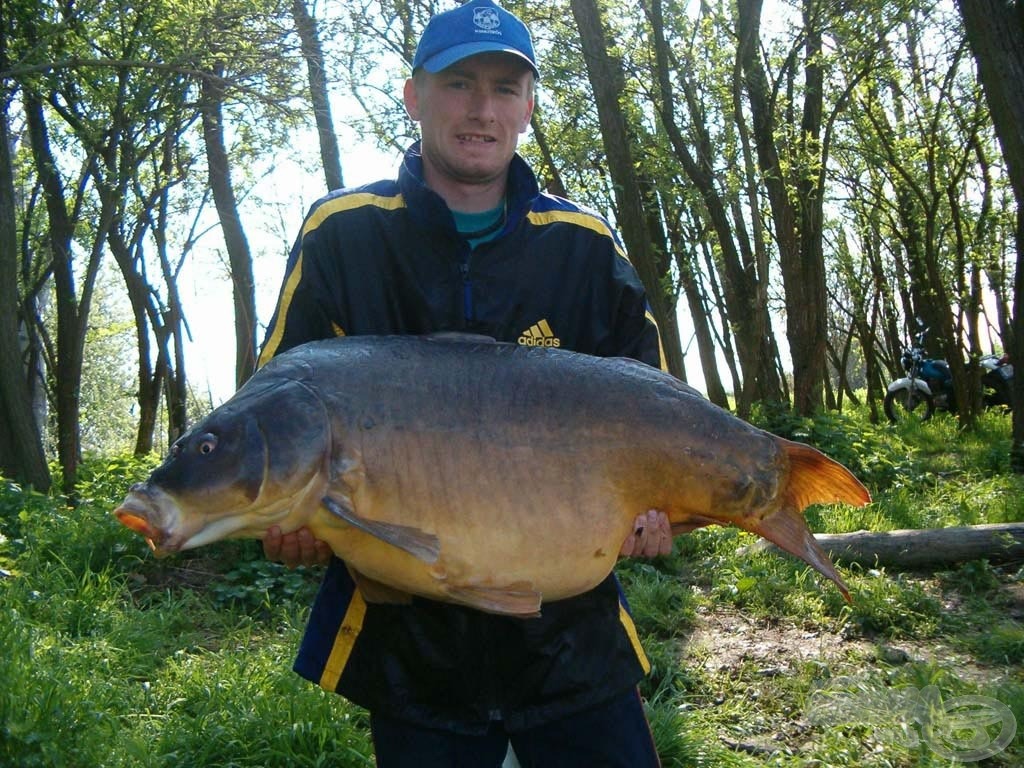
479	26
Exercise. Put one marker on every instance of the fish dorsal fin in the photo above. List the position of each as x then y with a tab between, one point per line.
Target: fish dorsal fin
476	338
420	544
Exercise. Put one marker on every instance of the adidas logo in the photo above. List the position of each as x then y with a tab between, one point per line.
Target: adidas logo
539	335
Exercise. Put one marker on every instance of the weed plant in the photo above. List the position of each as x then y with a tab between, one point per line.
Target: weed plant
109	657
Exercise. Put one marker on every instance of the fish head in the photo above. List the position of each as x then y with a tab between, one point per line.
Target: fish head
235	473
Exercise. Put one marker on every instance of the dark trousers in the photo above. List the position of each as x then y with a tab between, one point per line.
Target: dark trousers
612	735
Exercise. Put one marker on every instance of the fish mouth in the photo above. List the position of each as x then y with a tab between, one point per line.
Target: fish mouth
141	513
137	523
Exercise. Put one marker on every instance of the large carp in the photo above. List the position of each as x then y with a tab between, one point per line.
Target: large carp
460	469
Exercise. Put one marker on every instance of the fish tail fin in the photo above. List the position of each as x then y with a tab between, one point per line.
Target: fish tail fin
814	478
787	529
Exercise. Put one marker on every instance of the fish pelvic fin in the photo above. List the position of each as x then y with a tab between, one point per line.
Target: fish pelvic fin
374	591
420	544
816	479
520	599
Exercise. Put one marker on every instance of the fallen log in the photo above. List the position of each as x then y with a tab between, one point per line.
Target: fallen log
926	548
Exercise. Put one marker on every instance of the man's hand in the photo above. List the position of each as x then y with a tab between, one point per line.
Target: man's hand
295	548
652	536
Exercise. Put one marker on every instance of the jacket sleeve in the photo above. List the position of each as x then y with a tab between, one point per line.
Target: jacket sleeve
634	331
305	310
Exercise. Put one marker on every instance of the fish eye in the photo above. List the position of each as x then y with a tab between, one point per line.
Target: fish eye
207	444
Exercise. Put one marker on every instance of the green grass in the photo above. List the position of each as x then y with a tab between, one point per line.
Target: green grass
109	657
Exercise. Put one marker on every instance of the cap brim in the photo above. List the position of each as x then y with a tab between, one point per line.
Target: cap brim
457	53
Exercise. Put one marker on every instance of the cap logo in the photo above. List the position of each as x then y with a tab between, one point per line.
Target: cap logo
486	20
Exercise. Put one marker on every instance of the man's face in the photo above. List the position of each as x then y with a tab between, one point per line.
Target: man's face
470	116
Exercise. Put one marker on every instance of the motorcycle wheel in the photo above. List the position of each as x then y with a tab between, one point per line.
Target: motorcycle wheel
908	403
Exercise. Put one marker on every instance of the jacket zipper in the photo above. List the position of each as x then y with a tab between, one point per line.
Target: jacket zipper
467	292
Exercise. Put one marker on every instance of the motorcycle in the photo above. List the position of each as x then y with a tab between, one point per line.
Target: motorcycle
928	384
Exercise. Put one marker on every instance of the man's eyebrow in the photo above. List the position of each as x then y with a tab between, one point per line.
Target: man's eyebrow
456	71
511	78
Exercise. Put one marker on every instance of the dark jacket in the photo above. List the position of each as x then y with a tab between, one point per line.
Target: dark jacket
386	258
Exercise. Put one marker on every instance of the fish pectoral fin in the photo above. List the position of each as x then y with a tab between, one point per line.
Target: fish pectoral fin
519	599
374	591
420	544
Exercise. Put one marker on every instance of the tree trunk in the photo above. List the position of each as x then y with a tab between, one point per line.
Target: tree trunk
313	53
926	548
549	171
606	80
995	30
696	301
929	547
72	310
139	296
21	447
796	214
239	256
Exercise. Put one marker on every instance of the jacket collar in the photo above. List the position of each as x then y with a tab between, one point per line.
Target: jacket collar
430	211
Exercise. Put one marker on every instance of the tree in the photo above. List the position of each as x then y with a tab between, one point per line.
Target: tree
995	29
312	52
744	274
920	119
21	445
247	63
73	296
606	79
240	257
792	170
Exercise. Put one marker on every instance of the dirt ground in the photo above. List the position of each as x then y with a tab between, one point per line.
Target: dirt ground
725	639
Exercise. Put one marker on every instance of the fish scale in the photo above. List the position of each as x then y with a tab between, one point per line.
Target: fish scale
470	471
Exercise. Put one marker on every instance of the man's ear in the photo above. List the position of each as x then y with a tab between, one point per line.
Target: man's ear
529	114
412	104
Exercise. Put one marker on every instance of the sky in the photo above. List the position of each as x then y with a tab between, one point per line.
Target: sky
286	195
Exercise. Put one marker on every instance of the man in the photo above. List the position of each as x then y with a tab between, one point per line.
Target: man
464	240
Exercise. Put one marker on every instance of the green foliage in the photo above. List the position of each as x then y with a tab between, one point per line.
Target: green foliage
686	742
890	606
108	479
111	658
109	375
51	713
253	582
659	601
16	504
82	537
869	451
